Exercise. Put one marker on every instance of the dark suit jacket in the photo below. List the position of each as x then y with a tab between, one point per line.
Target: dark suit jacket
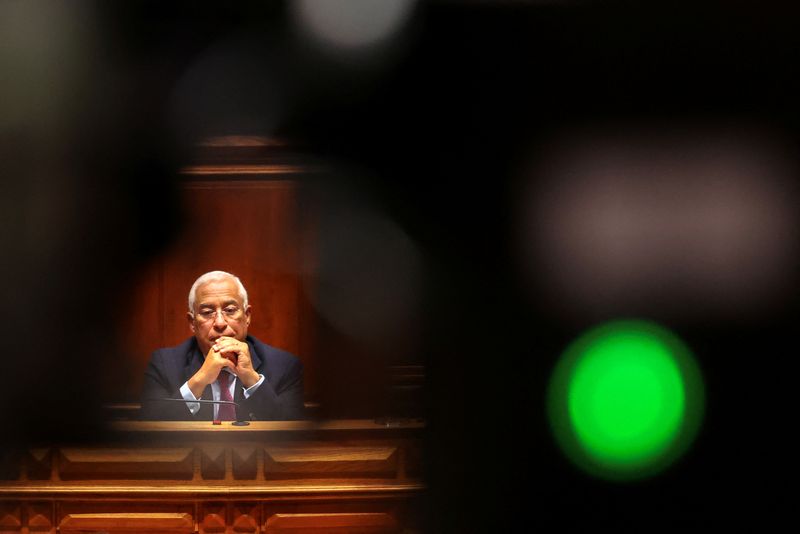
280	396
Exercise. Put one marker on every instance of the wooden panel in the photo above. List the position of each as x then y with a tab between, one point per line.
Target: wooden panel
365	522
135	464
126	517
354	516
225	452
10	516
413	460
11	464
244	462
36	518
212	463
127	522
329	476
214	518
220	517
40	517
141	327
39	464
330	461
246	517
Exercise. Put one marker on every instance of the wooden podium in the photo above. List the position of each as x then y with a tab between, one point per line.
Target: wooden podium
290	476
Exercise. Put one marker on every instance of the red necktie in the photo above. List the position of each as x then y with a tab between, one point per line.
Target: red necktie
227	412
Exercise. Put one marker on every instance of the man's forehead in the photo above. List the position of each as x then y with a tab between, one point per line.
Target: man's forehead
216	290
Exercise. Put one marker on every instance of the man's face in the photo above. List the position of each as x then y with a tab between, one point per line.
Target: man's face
218	312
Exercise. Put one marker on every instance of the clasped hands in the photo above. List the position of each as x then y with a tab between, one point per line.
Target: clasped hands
226	352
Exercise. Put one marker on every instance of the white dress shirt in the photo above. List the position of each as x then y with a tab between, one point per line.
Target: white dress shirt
194	407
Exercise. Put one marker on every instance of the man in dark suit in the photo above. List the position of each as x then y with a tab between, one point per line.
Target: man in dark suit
222	362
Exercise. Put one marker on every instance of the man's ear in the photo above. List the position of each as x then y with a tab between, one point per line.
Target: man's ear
247	313
190	317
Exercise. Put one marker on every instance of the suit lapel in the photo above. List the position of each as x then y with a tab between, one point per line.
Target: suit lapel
255	357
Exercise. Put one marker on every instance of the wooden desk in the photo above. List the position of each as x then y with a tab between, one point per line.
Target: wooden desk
292	476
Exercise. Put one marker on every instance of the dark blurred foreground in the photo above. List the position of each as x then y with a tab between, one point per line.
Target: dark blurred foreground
445	126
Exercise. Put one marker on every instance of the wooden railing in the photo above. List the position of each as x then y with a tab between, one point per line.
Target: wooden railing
298	476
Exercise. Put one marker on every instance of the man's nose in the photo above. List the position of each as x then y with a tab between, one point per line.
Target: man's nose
219	320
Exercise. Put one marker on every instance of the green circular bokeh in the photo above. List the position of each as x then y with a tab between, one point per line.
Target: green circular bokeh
625	400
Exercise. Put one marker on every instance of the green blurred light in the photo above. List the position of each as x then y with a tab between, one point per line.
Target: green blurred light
625	400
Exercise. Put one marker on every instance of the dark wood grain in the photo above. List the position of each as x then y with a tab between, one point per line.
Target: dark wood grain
290	476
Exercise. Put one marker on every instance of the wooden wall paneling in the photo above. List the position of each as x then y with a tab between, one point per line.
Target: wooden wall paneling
135	522
122	464
40	517
139	517
324	460
140	329
351	517
230	517
262	451
12	465
31	517
10	516
353	522
412	462
244	461
246	517
343	476
39	464
212	462
214	517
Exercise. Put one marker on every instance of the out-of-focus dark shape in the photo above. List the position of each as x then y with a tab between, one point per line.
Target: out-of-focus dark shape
86	195
238	85
368	276
680	222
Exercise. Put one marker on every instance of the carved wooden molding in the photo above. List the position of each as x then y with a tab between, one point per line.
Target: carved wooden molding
254	170
331	461
321	453
260	491
127	522
377	522
214	517
10	516
127	463
301	476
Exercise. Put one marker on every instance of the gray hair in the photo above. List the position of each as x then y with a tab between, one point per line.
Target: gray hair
215	276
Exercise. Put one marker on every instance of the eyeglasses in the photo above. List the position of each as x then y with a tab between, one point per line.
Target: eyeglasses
228	312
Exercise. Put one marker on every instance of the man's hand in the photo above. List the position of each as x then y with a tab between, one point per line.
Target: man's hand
209	372
230	348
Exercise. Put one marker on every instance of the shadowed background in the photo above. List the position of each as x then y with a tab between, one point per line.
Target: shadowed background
464	186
